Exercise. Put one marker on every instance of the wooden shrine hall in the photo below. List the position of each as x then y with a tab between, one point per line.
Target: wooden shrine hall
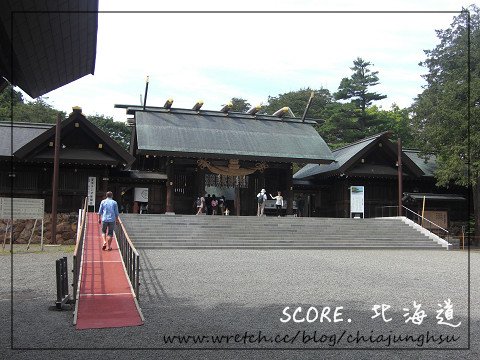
188	153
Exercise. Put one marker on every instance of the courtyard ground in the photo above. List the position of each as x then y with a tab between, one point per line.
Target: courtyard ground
209	296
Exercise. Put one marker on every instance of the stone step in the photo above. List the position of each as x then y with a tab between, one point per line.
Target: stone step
291	247
217	232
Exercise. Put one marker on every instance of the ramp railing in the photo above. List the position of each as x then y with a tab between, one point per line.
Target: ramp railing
389	211
78	252
130	256
63	296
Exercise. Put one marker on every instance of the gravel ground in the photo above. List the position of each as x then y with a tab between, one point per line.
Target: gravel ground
225	292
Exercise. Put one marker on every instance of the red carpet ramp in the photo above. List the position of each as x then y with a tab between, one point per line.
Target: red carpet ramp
106	297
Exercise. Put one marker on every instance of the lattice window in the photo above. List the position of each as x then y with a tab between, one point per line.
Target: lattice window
183	185
21	181
70	180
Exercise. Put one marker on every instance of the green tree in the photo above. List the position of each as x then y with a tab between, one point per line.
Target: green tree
297	101
240	105
339	128
117	130
356	89
37	111
396	120
441	110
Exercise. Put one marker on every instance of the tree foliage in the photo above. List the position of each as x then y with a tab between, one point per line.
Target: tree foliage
240	105
356	89
117	130
441	110
297	102
37	111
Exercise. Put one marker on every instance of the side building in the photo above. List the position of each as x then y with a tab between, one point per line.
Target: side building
373	163
26	161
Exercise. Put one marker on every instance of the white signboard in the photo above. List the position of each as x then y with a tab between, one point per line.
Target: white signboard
357	200
141	195
92	190
22	208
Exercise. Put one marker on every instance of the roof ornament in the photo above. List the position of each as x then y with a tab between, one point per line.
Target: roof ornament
283	111
198	105
147	80
168	104
253	110
227	107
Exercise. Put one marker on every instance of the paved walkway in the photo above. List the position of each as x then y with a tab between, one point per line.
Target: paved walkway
106	298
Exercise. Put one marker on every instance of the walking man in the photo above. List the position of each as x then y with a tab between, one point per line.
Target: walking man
108	216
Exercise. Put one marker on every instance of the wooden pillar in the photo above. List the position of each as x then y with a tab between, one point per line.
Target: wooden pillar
289	193
200	182
261	182
56	162
237	201
400	177
170	187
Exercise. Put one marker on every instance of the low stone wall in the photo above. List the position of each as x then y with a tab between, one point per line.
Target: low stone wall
22	229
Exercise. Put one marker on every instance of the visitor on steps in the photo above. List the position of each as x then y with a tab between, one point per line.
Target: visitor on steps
108	216
200	204
278	202
214	204
261	198
221	204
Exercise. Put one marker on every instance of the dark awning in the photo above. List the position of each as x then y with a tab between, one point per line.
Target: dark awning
53	43
239	136
429	196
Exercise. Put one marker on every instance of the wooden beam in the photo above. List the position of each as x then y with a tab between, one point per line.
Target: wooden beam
170	200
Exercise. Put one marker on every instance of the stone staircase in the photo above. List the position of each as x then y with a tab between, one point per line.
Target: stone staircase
154	231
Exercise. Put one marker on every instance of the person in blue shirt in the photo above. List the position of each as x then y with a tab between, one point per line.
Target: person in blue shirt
108	216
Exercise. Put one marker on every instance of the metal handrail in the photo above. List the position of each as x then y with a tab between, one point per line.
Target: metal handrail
423	218
131	258
78	252
417	215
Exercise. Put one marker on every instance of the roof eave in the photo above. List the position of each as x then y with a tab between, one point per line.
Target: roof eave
252	157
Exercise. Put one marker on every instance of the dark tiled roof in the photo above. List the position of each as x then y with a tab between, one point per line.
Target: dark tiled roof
216	135
22	134
341	155
38	148
50	49
346	156
427	166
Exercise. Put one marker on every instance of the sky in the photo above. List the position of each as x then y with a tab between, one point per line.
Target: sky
214	57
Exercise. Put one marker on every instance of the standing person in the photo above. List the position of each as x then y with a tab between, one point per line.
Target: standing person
214	204
278	202
261	198
221	204
200	205
108	216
